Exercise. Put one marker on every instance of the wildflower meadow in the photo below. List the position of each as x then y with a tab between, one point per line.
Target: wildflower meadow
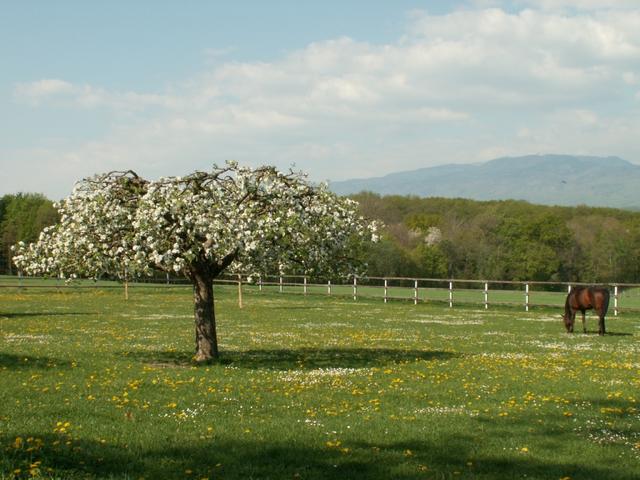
310	387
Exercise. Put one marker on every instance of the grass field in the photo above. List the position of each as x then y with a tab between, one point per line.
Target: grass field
92	386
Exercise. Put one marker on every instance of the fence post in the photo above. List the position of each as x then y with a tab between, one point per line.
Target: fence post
486	295
415	292
259	283
126	285
615	300
239	290
386	290
304	287
328	287
355	287
526	297
280	283
450	294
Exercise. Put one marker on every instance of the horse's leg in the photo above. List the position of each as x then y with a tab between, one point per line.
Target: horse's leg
601	323
584	322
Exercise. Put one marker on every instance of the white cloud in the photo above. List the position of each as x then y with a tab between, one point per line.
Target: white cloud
580	5
86	96
464	86
34	92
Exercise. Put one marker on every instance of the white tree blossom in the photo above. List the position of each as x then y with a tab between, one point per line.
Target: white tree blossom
250	220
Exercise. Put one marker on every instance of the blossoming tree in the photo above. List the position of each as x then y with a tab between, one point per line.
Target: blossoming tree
248	220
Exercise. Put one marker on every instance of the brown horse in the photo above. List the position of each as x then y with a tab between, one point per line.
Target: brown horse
582	299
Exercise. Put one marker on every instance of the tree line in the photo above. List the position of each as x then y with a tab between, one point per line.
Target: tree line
502	240
447	238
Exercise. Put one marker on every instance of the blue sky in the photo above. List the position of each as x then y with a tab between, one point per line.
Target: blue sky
341	89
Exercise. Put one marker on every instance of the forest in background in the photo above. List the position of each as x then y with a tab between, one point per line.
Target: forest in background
502	240
22	217
448	238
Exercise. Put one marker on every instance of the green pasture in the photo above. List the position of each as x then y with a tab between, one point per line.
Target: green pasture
310	387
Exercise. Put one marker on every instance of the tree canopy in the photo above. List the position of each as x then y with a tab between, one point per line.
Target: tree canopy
250	220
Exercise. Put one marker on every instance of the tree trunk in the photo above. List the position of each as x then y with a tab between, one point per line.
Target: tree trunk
206	338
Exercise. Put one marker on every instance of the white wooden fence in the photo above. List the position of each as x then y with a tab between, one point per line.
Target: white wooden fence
625	297
484	293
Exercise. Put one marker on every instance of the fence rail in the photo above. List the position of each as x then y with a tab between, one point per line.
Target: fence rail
486	293
483	293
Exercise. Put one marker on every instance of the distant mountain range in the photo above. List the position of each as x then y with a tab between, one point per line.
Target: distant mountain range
542	179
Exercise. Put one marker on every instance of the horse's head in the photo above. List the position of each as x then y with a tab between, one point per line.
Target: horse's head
568	322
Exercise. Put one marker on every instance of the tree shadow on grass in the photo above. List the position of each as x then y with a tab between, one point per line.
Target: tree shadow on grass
12	361
222	457
43	314
305	358
591	333
595	459
312	358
